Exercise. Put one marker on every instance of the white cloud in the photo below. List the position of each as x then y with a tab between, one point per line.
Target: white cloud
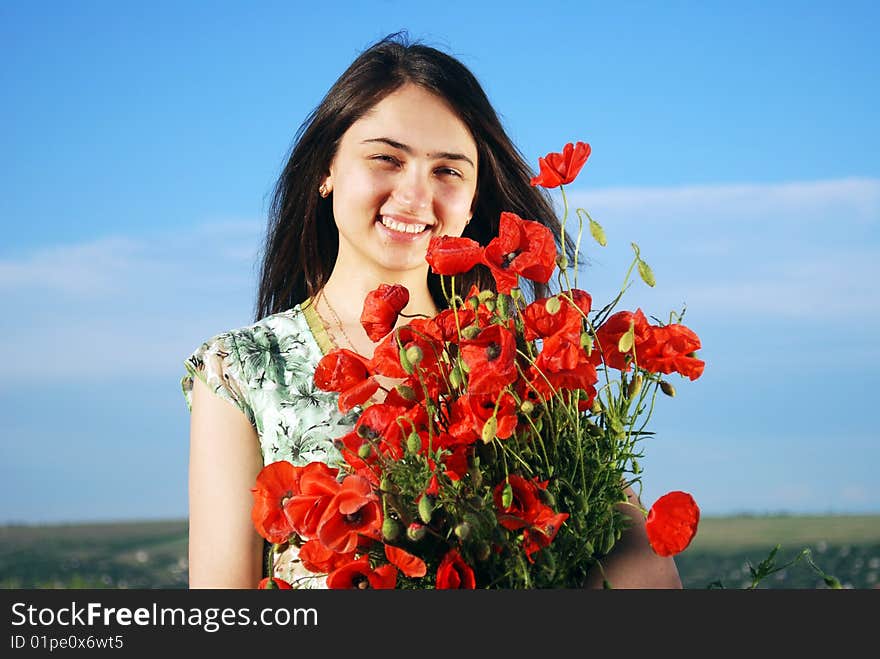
852	200
789	251
122	305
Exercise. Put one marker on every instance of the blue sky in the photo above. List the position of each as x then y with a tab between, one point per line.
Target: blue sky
735	143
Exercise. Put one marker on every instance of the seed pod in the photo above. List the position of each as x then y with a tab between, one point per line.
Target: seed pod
364	451
527	407
667	388
553	305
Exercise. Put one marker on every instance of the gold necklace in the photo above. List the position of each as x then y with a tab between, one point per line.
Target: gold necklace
338	321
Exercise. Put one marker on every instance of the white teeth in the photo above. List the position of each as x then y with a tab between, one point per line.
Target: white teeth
402	226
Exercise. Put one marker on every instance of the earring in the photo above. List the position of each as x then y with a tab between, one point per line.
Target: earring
324	190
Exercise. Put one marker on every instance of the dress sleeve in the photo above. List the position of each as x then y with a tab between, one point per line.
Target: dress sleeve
216	363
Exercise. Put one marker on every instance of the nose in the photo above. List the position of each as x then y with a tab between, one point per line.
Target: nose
412	191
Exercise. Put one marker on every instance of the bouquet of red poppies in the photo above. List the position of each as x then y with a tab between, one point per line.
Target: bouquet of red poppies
503	456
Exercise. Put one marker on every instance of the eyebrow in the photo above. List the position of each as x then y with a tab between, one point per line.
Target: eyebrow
444	155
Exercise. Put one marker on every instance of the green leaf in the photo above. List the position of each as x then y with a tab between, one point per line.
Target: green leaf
597	232
646	274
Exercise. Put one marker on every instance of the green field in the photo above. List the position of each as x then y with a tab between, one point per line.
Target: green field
153	554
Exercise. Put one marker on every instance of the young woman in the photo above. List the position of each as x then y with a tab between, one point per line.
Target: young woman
404	146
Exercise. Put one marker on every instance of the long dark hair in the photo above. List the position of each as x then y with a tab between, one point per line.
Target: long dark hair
302	240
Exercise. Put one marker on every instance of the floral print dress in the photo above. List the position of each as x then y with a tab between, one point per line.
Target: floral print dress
266	370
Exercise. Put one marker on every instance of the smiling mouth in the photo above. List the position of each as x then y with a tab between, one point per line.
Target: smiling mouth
401	227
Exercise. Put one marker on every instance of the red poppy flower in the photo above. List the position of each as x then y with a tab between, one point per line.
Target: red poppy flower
672	523
382	306
523	248
273	583
542	531
353	512
411	566
490	358
358	575
348	373
525	507
454	573
276	484
482	408
608	339
319	559
671	350
316	488
450	255
557	169
540	323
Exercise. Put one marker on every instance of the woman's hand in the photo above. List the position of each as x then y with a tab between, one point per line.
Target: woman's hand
632	563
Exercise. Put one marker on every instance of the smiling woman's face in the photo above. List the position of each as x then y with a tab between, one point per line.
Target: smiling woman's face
405	171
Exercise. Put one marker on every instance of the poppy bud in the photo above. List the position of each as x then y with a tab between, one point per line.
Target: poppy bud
463	530
490	304
596	407
527	407
414	354
474	501
587	342
471	331
489	429
364	451
413	442
406	392
546	497
483	551
416	531
385	484
507	496
426	508
553	305
474	301
667	388
390	529
635	386
485	295
562	261
503	306
455	377
405	363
